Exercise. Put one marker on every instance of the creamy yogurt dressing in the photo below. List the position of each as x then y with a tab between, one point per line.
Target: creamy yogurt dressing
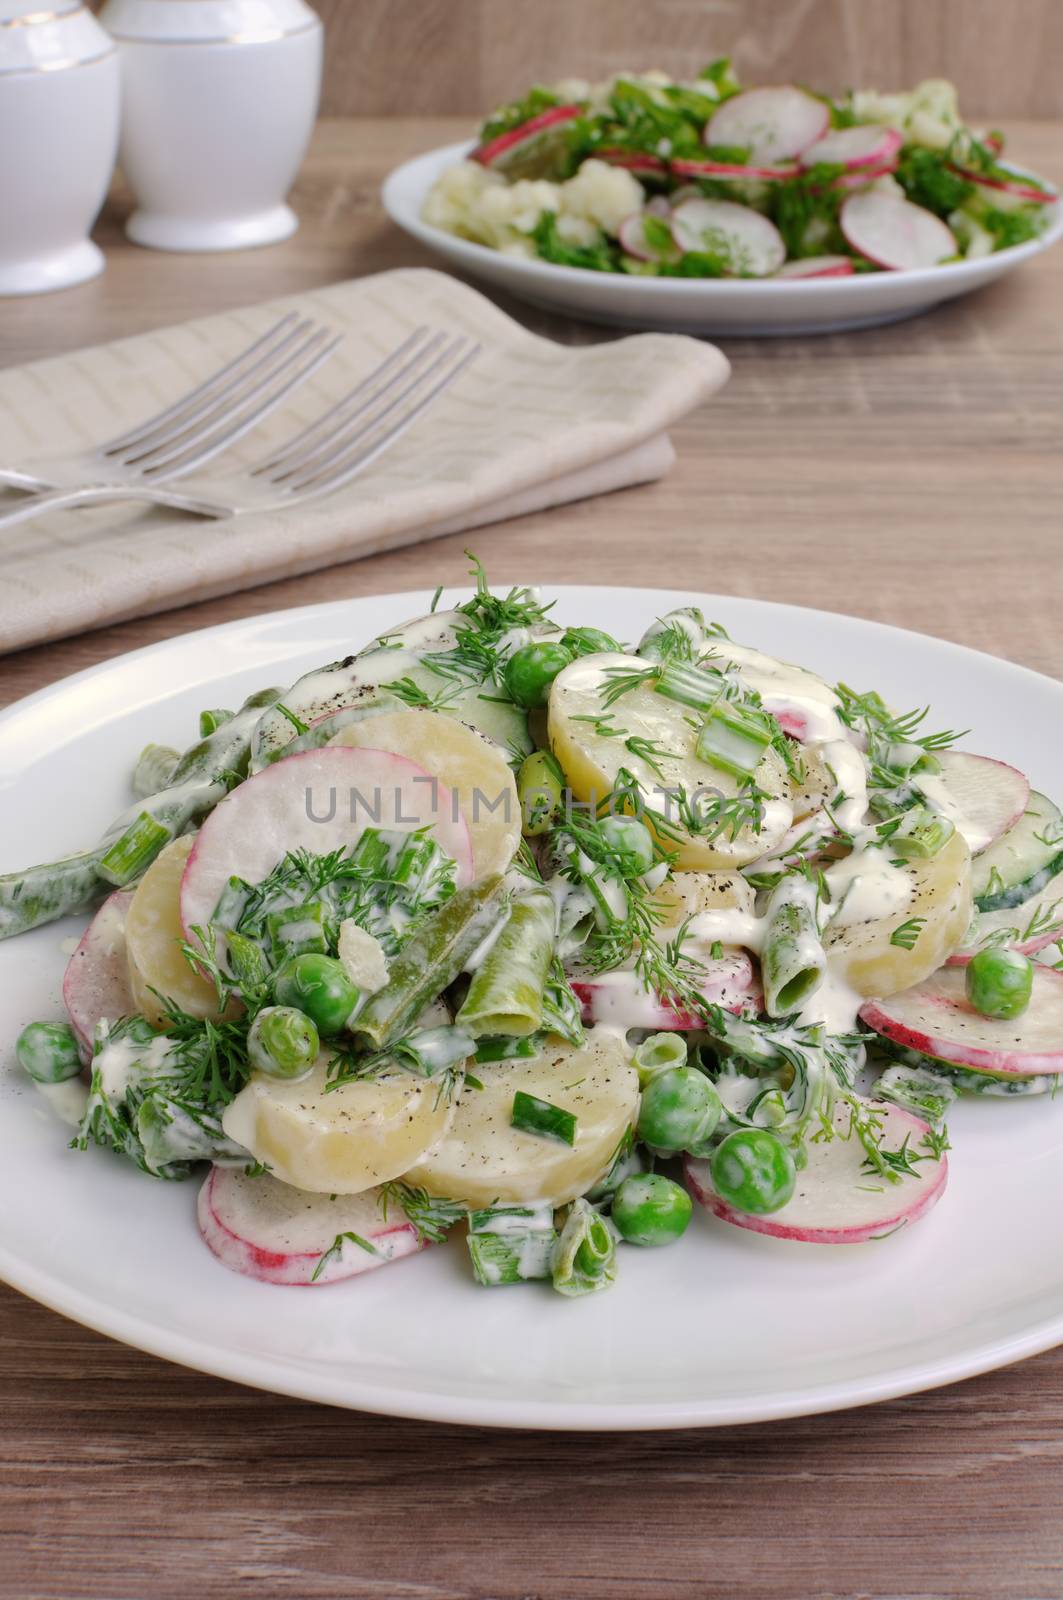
932	786
69	1101
784	688
866	886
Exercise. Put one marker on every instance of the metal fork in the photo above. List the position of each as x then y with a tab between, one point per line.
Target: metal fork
202	423
333	450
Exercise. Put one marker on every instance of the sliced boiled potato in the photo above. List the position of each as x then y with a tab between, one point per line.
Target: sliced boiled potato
153	935
343	1141
462	759
815	784
862	953
592	758
483	1159
686	894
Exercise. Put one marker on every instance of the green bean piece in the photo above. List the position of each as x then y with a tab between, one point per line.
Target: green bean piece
210	721
506	993
659	1053
999	983
734	738
203	776
131	855
48	1052
793	963
540	790
155	764
283	1042
430	961
508	1049
585	1254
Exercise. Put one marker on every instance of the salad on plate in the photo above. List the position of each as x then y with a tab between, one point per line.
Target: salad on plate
544	939
703	178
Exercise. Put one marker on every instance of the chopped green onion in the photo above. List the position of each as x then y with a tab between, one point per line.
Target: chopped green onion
690	686
659	1053
298	930
734	738
232	903
508	1048
511	1244
134	851
921	834
532	1115
585	1254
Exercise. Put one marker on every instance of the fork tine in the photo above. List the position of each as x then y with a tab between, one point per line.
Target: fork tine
292	460
303	474
344	471
230	368
308	437
217	408
210	441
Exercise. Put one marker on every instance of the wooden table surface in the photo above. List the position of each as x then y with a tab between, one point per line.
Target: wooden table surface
911	474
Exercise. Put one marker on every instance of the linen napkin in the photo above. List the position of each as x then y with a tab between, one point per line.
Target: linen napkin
528	425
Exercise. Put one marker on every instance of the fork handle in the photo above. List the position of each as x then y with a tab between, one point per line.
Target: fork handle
101	494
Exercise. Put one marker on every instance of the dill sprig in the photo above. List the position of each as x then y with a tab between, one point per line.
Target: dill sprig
430	1218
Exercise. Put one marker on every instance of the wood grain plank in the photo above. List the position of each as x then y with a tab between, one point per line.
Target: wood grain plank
910	474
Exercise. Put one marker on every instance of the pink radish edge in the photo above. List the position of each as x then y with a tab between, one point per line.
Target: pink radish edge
1015	186
922	1197
96	980
813	267
955	1052
863	146
293	1268
231	840
729	169
488	154
636	161
619	997
894	233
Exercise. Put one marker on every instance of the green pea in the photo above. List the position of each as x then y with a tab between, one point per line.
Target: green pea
651	1210
753	1171
318	985
48	1051
283	1042
589	642
999	983
540	789
531	670
630	841
679	1109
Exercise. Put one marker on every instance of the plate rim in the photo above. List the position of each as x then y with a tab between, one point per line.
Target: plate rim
703	289
381	1398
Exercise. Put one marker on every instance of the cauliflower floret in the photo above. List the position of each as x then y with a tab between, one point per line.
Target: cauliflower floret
573	91
475	203
928	114
601	194
578	231
456	192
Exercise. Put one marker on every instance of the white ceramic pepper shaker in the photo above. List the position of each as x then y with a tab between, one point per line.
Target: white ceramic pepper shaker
59	104
219	99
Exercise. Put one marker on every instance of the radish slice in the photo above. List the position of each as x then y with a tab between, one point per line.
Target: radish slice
854	147
96	981
264	1229
836	1200
1012	186
632	235
659	206
983	797
753	246
1028	927
773	124
936	1018
815	267
498	152
865	176
640	162
620	999
894	233
319	801
729	169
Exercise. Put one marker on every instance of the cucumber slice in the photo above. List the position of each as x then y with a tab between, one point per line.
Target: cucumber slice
402	654
1028	927
1019	865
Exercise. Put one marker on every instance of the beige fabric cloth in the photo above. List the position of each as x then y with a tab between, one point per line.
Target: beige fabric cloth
530	424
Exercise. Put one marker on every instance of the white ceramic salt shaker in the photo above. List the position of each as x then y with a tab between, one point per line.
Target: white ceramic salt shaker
59	103
219	99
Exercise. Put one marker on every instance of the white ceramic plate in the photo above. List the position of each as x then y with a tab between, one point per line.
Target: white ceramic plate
725	1327
764	307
